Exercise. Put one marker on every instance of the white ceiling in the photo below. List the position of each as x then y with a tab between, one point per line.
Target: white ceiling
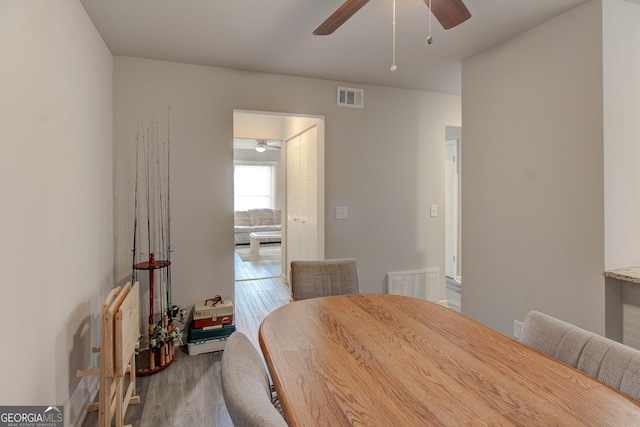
274	36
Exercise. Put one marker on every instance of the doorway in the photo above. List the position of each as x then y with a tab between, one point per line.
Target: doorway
453	137
260	139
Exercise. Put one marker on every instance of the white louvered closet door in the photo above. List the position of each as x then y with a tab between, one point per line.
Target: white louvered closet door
309	160
302	196
294	197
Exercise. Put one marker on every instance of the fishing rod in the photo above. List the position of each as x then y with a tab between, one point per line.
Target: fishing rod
161	246
135	212
168	272
147	175
151	255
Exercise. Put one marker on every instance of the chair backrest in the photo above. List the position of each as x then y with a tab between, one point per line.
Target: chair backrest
311	279
609	361
245	385
558	339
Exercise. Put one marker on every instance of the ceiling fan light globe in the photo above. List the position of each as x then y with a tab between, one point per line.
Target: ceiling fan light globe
261	146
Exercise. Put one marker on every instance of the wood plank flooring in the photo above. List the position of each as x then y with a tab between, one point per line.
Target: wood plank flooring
189	392
251	270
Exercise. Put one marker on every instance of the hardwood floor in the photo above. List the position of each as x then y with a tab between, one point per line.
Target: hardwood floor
251	270
189	392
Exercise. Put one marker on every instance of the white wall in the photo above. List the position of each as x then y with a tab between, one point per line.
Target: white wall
386	165
384	162
56	190
532	175
262	125
621	38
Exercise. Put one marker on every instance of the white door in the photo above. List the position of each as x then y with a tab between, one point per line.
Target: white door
294	197
452	208
309	154
302	196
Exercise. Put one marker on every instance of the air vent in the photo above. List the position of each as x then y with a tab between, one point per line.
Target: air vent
349	97
417	283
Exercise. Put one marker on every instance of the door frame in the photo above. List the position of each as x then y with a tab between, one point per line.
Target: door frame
453	140
287	125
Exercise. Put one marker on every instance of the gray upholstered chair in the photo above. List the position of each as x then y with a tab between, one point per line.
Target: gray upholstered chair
311	279
609	361
245	385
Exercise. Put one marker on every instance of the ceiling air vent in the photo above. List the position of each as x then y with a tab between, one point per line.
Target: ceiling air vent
349	97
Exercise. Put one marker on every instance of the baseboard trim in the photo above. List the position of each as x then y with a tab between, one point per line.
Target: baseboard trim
84	394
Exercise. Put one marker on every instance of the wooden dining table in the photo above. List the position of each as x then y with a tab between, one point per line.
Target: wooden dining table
389	360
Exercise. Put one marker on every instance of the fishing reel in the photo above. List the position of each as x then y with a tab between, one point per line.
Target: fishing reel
164	334
175	310
164	331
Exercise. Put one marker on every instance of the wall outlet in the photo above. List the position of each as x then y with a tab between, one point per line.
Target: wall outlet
342	212
517	328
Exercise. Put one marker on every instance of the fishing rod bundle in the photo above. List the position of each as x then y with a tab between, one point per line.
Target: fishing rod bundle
152	204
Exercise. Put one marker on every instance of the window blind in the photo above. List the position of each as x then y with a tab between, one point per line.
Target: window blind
254	185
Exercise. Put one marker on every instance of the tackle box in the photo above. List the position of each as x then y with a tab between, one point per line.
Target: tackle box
199	334
209	312
212	323
206	346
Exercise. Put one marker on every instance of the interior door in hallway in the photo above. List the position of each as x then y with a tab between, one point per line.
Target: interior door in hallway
452	208
302	196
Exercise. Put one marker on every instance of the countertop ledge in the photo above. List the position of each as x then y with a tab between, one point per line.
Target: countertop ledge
629	274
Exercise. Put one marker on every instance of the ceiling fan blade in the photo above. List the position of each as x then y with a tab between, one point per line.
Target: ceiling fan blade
274	144
339	17
449	13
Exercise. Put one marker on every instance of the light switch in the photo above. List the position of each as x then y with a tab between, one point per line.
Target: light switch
341	212
434	210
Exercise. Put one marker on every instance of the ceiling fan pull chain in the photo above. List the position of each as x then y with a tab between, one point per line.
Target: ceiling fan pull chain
393	65
430	39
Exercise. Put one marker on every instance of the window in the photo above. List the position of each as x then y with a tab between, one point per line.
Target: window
254	185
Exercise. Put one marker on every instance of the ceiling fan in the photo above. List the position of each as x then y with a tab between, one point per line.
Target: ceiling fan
263	145
449	13
260	145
